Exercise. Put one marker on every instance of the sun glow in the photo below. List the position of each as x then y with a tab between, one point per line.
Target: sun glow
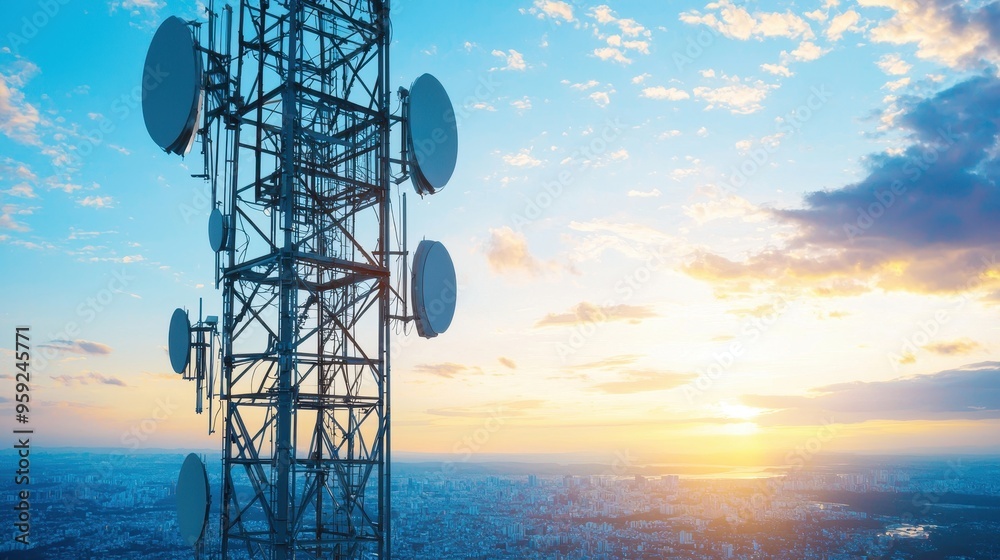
739	411
740	429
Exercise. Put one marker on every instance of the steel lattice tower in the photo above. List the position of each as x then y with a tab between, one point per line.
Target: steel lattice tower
305	280
294	119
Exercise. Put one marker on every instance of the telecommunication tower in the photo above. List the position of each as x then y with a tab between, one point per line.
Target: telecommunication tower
294	118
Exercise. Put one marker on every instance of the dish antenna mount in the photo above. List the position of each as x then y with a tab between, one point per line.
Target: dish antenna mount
291	105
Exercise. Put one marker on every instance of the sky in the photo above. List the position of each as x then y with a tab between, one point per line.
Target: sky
730	231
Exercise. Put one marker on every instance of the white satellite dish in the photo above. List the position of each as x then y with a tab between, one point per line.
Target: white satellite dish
179	341
432	135
171	86
218	230
434	288
192	499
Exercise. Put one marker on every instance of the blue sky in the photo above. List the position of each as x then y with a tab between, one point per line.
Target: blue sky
642	263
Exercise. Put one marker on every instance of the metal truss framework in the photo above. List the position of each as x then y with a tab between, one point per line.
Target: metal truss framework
301	119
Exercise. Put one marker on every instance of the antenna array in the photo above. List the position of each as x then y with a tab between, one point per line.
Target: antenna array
294	119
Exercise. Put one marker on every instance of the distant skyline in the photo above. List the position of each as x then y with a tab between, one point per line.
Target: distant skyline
711	229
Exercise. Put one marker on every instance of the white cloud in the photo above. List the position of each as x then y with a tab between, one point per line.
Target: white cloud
808	51
783	25
18	118
776	69
842	23
43	246
629	27
14	170
555	9
22	190
148	9
721	205
135	4
959	34
893	65
83	234
8	220
63	184
683	173
513	60
602	14
96	201
630	36
641	78
21	72
669	94
523	104
641	46
612	53
584	86
633	240
736	22
738	97
816	15
522	158
770	142
897	84
644	194
602	98
507	251
773	140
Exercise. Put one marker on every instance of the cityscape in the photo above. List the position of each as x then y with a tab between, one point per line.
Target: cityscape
99	504
542	279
